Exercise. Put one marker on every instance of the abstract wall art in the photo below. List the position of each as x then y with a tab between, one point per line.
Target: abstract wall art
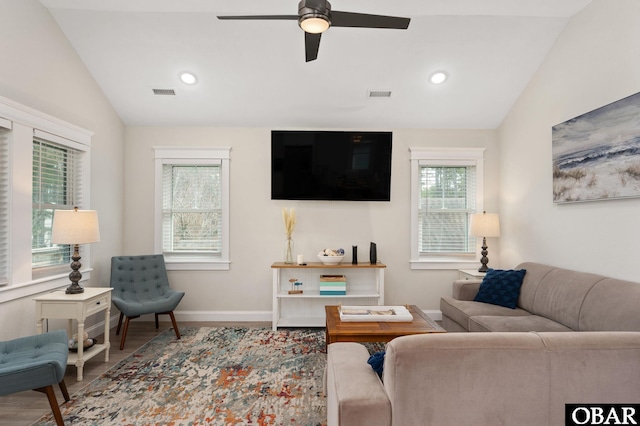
596	156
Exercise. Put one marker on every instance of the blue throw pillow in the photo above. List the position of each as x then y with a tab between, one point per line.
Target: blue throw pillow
376	361
501	287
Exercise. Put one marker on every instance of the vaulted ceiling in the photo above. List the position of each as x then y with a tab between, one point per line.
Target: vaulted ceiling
254	74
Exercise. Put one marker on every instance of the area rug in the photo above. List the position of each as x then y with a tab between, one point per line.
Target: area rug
212	376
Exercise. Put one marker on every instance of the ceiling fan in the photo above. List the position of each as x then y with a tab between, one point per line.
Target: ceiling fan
316	16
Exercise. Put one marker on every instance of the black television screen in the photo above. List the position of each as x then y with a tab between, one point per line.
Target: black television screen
330	165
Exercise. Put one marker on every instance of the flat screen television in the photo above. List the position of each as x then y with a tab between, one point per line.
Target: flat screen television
330	165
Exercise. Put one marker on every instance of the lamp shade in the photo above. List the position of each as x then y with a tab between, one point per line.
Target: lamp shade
485	225
75	227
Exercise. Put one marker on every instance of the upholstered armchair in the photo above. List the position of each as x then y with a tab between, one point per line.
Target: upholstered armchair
35	362
141	286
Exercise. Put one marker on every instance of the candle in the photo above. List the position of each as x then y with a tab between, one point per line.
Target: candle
300	259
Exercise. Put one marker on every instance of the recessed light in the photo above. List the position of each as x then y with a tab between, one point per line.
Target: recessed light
188	78
438	77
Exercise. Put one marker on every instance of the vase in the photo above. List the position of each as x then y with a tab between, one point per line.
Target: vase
288	250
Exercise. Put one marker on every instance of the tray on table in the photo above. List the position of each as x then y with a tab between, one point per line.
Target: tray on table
375	314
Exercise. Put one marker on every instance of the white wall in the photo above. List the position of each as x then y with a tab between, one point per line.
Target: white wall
41	70
595	61
257	235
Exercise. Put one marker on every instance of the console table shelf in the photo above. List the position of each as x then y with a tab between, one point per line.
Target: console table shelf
365	286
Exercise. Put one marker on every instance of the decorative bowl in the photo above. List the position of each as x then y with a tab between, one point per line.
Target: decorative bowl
330	260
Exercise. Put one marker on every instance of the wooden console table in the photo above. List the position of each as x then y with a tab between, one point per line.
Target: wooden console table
79	306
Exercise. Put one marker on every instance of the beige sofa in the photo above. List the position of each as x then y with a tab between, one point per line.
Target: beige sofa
521	377
481	379
551	299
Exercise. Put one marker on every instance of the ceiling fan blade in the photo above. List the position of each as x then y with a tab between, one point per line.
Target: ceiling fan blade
363	20
311	46
262	17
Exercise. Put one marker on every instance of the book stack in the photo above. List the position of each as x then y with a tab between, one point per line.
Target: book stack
333	285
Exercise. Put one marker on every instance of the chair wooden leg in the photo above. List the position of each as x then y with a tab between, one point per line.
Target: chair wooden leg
119	324
65	392
124	333
157	323
53	402
175	324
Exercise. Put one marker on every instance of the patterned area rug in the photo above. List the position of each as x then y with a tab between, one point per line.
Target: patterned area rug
212	376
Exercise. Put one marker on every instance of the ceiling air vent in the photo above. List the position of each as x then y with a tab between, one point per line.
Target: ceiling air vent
168	92
379	94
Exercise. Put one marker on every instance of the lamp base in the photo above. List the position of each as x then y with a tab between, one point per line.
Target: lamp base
484	259
74	288
75	276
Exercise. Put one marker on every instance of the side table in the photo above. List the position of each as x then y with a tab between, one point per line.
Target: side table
60	305
470	274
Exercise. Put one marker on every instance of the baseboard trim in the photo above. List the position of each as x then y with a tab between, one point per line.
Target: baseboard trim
223	316
215	316
249	316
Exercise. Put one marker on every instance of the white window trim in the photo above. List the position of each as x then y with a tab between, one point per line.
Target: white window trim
24	121
443	156
193	156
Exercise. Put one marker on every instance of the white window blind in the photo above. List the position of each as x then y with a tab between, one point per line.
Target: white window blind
4	204
192	209
447	199
57	184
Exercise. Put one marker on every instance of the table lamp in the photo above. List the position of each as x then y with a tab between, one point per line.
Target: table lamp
75	227
484	225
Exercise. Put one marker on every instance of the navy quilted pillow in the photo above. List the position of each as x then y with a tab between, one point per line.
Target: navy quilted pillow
376	361
501	287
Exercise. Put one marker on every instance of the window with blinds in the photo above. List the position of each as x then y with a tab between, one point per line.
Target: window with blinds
447	199
4	205
57	177
446	188
191	209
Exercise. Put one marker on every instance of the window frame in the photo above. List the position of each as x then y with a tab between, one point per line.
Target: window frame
25	124
462	157
193	156
74	187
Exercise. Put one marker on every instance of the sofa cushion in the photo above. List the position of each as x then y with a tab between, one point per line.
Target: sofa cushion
611	305
591	366
501	287
535	274
561	294
467	379
460	310
485	323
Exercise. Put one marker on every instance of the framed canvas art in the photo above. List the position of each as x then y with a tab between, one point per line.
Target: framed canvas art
596	156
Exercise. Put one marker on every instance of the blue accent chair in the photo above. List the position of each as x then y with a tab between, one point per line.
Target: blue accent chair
141	286
35	362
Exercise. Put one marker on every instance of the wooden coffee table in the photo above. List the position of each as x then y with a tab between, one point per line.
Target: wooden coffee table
339	331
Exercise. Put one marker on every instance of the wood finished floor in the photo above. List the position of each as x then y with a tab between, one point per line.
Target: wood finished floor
25	408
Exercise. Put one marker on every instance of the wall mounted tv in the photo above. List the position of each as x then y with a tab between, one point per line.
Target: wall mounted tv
330	165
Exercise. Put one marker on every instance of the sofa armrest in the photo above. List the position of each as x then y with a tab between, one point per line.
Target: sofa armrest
465	289
355	395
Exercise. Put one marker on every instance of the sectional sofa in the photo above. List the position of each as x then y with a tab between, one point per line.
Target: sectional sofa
560	345
551	299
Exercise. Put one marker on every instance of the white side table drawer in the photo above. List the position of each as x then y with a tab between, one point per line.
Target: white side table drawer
95	306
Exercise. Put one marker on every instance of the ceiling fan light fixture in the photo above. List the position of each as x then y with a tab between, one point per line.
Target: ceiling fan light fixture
314	23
